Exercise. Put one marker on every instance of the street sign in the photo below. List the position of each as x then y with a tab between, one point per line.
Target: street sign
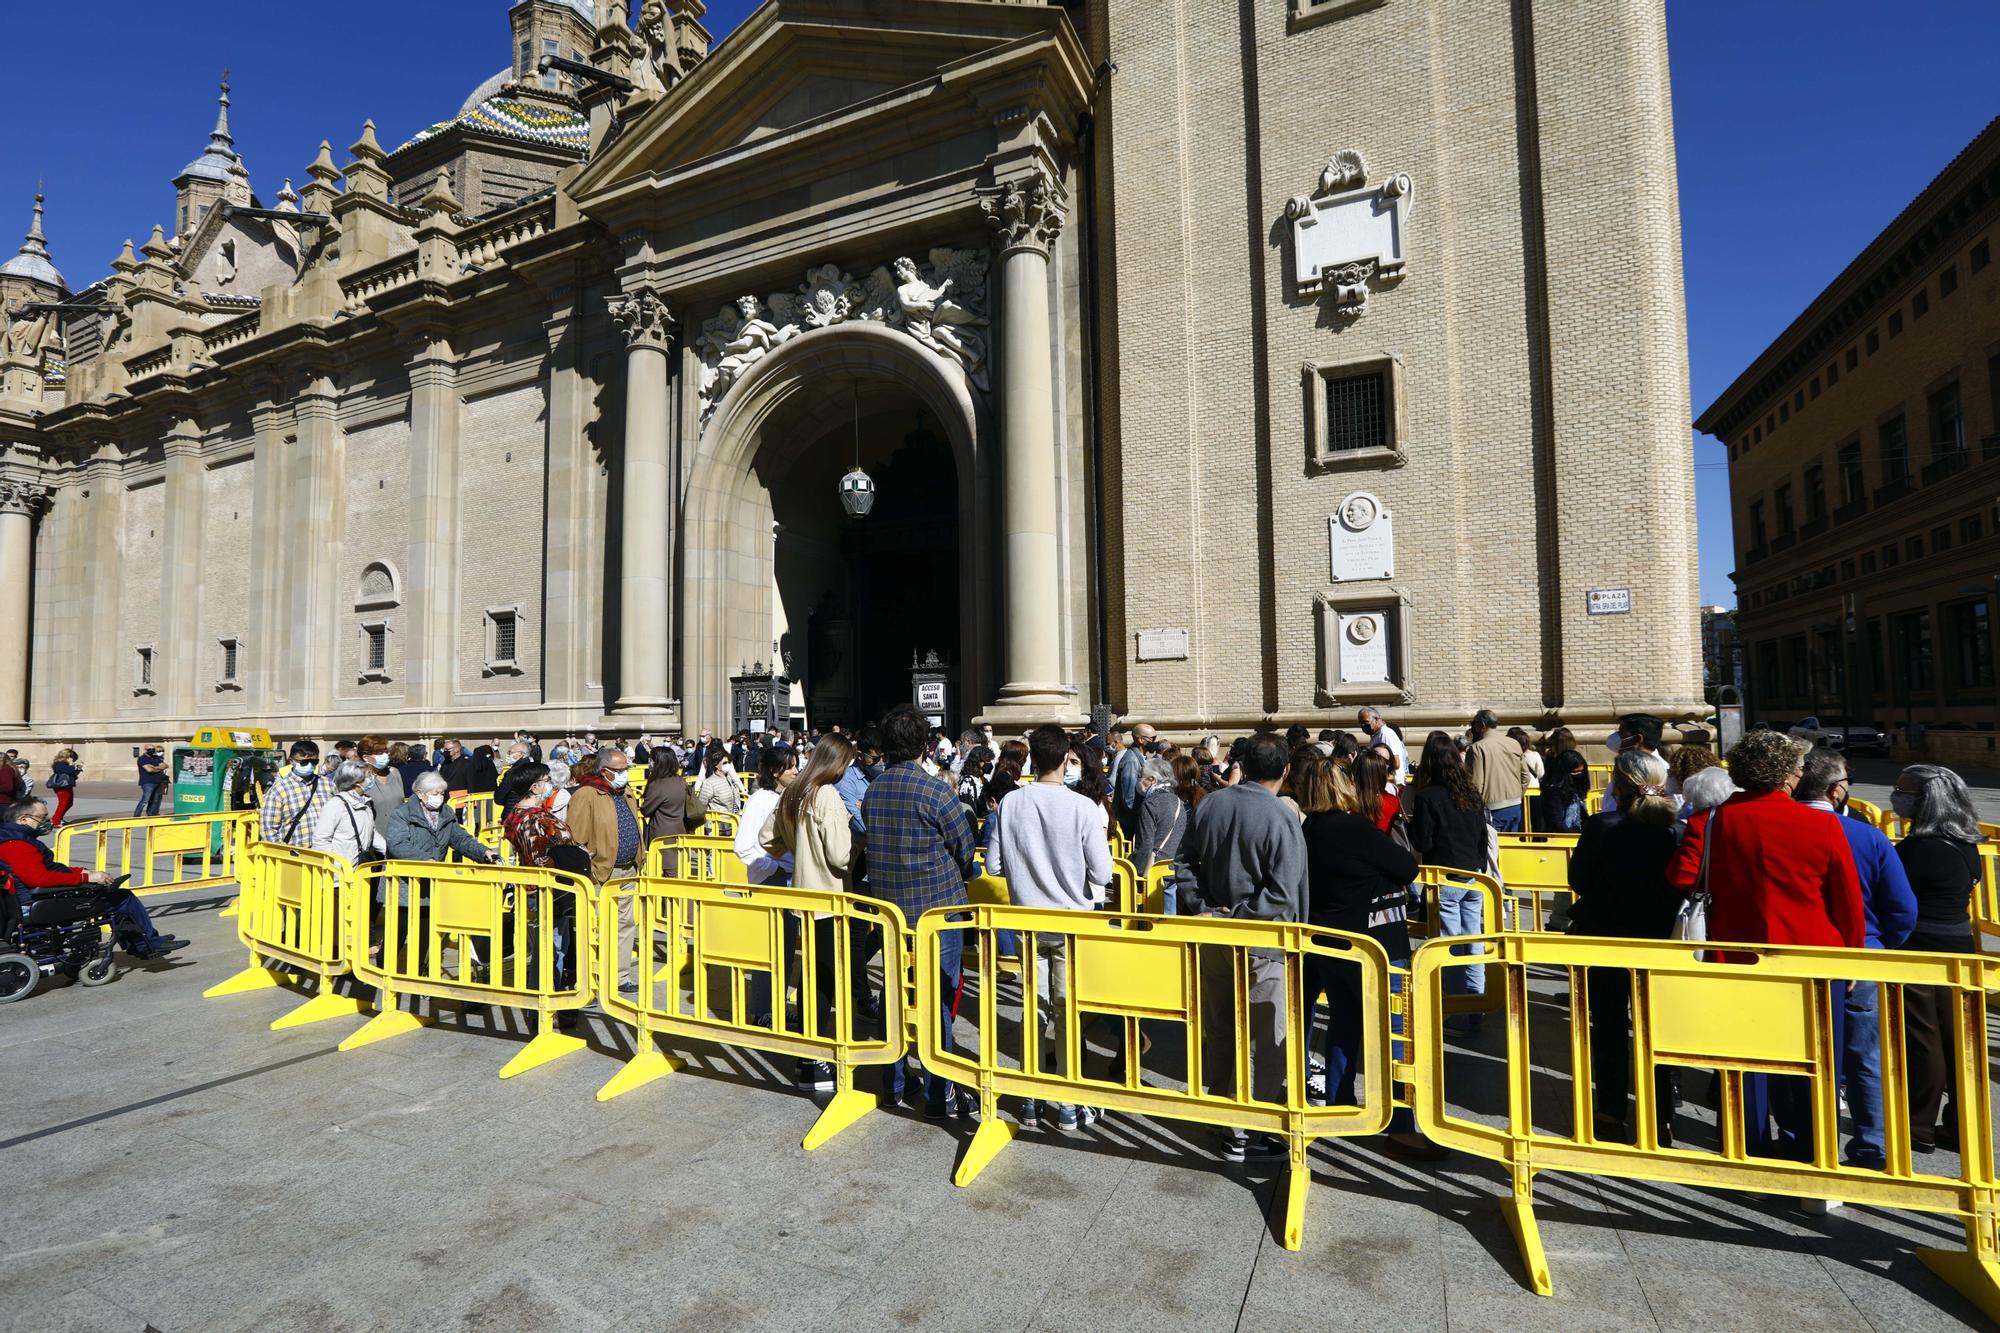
1608	601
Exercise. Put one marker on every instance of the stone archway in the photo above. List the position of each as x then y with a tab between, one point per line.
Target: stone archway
726	570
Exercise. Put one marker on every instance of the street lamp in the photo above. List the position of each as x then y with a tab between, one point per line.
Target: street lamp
857	488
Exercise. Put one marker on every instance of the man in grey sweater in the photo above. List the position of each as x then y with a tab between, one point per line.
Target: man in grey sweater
1247	854
1049	844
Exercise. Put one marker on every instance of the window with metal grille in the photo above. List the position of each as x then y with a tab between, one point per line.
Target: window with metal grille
503	636
228	659
145	668
1357	412
378	647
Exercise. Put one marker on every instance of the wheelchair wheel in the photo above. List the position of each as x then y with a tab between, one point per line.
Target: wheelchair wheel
96	972
19	975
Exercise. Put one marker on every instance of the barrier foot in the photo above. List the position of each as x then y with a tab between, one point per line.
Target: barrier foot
1520	1215
545	1047
249	979
320	1007
1296	1182
1976	1279
992	1135
389	1023
846	1106
640	1070
230	909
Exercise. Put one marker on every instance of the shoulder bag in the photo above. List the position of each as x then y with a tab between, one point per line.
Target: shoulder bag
1691	922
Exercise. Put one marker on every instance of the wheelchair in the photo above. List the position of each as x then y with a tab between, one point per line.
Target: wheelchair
70	930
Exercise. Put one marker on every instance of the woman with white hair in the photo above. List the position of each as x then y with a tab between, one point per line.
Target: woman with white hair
1706	789
1163	821
1941	857
346	824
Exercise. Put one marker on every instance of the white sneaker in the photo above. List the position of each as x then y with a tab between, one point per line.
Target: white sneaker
1821	1207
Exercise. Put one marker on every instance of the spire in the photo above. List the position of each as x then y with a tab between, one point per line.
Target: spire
33	260
219	141
36	244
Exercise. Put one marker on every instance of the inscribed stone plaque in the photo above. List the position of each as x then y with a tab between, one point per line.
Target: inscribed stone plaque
1363	538
1364	646
1356	227
1163	645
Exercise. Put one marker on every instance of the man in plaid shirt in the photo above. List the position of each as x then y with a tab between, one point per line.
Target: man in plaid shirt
919	857
292	805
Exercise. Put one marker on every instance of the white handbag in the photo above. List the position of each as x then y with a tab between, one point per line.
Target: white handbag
1691	922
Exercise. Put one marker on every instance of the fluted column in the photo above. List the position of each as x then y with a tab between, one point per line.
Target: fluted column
645	604
1026	214
20	502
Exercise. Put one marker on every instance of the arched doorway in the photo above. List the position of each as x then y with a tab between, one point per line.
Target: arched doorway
771	564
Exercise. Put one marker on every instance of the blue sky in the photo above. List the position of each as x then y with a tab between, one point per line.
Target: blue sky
1803	127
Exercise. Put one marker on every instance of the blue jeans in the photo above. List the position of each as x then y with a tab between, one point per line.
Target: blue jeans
1340	982
951	949
1863	1073
1787	1099
1461	911
149	801
1507	819
131	923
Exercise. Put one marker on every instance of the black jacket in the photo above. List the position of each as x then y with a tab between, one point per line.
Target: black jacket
1618	873
1446	833
1358	879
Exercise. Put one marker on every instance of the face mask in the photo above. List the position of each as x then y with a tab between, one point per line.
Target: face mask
1614	743
304	768
1072	775
871	771
380	761
433	800
1905	804
618	779
1841	804
540	791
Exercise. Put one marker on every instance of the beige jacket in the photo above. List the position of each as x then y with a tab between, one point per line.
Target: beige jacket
593	822
822	849
1498	769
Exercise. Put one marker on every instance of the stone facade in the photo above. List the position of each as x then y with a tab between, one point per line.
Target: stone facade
1864	452
1136	295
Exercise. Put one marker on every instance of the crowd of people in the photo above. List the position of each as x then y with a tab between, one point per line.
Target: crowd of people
1328	829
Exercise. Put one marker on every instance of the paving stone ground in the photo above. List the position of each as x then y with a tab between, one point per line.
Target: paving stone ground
173	1165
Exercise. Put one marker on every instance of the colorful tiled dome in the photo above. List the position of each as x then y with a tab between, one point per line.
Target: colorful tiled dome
518	118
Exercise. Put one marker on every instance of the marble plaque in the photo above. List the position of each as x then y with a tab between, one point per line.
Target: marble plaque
1163	645
1338	231
1362	535
1364	646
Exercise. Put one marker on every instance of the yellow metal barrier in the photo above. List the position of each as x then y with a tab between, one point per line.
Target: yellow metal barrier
476	809
494	838
1136	893
696	856
1766	1016
292	909
1431	883
1986	895
477	935
718	824
1534	868
636	780
746	783
1175	970
161	854
732	938
1866	809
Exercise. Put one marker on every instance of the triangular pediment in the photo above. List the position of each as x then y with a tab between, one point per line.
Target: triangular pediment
797	63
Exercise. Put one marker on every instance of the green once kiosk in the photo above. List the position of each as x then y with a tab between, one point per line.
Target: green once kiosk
220	769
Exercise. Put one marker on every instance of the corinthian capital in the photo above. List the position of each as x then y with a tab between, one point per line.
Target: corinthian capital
643	317
1026	213
20	496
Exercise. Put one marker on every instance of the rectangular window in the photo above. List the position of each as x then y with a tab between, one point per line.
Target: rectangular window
1867	562
1971	645
1982	255
1832	665
1970	528
1783	498
1832	373
1799	401
1874	342
1895	452
145	668
1798	672
1812	389
1853	358
1757	435
1815	493
1940	538
1757	534
228	661
1846	571
1947	422
1767	674
1948	281
377	647
1915	670
503	640
1355	413
550	48
1895	323
1891	557
526	65
1784	413
1920	304
1913	548
1853	482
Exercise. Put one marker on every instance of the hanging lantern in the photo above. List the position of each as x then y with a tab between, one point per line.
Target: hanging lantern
857	488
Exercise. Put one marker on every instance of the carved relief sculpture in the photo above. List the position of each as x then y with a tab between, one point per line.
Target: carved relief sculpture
1025	212
21	496
658	69
642	317
938	305
1346	237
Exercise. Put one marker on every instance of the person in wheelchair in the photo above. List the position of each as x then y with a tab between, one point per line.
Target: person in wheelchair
34	867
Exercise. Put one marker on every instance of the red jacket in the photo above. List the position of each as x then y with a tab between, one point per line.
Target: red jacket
32	863
1780	873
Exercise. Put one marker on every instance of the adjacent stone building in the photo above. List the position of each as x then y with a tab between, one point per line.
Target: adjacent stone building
1864	471
1215	364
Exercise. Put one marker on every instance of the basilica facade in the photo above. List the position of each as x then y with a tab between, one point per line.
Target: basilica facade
1204	364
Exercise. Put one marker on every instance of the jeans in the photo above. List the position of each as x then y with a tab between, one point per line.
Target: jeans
131	923
1863	1073
149	800
1340	982
951	949
1787	1099
1461	911
1507	819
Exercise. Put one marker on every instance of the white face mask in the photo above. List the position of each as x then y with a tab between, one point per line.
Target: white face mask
433	800
381	762
618	778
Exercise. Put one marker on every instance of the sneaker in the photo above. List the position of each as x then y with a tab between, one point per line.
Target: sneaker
1821	1207
160	947
1078	1117
1239	1147
814	1076
962	1105
1232	1144
628	988
1030	1114
936	1110
1316	1089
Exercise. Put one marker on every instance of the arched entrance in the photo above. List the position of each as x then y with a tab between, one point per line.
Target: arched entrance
772	566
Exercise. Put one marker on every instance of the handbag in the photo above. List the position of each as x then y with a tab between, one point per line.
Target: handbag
1399	833
1691	921
363	856
61	781
697	808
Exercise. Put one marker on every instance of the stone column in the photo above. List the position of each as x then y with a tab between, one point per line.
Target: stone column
645	595
572	608
432	616
180	647
312	543
1026	214
20	501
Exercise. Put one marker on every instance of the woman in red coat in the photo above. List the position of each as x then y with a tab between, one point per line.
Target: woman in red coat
1778	873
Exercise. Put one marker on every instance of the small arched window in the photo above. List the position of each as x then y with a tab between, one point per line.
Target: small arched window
381	587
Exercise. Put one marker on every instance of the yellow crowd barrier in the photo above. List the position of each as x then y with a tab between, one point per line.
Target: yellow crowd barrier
1986	897
161	854
1534	870
733	953
1767	1016
494	839
636	780
1431	883
1217	980
719	824
476	809
696	856
1866	809
1137	893
515	936
292	910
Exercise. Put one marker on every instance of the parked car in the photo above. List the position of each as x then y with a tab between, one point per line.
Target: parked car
1840	734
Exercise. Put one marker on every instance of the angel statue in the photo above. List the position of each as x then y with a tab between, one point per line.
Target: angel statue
657	70
25	337
736	352
937	321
